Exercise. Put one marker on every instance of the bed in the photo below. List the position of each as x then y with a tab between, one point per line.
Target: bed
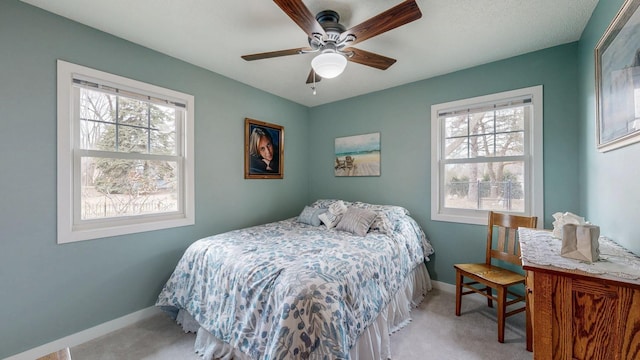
327	284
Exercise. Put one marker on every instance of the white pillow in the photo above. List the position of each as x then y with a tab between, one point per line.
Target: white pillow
338	208
332	217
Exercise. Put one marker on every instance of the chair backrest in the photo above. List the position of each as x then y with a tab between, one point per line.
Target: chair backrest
502	231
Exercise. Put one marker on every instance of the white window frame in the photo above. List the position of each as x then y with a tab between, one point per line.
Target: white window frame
70	228
533	160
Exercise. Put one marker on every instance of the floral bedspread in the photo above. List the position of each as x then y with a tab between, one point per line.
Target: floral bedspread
288	290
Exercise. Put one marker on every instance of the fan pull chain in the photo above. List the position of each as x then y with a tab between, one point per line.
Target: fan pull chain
313	88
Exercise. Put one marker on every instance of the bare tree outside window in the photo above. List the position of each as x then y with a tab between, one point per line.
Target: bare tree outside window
114	184
483	153
486	154
125	152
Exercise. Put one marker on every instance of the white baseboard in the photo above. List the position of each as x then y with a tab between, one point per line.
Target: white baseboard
442	286
86	335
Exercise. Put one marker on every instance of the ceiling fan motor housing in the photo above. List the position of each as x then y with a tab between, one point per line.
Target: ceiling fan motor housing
329	20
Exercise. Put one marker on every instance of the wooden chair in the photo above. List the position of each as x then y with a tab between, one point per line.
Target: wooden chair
349	162
486	277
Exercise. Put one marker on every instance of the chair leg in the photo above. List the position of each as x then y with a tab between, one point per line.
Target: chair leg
459	279
489	297
502	304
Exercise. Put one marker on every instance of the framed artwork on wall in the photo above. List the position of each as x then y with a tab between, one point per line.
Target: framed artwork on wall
617	59
263	150
357	155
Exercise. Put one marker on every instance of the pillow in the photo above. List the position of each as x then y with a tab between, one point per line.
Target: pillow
338	208
329	220
392	208
381	223
323	203
310	216
326	203
356	221
332	217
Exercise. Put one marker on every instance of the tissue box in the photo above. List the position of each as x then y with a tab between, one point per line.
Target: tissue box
580	242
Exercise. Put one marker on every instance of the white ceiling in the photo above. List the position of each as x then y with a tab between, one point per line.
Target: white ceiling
451	35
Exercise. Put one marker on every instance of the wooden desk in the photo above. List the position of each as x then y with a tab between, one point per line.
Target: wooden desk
577	315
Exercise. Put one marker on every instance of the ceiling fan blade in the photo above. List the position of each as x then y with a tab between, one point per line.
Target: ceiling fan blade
301	15
399	15
370	59
272	54
310	77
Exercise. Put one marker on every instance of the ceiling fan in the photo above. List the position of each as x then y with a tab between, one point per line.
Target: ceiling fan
333	43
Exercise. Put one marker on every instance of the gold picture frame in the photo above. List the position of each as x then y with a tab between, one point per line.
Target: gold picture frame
263	150
617	60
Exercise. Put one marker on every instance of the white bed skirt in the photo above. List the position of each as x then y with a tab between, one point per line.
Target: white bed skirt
373	344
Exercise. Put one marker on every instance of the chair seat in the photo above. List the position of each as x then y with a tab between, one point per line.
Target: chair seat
494	274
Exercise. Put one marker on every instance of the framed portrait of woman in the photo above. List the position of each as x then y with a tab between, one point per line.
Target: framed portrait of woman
263	150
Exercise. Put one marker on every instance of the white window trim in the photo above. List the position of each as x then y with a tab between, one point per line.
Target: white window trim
67	230
534	164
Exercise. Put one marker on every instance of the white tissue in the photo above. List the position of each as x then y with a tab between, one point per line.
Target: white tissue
565	218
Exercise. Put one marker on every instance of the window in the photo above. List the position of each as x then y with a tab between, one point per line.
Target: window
487	155
125	155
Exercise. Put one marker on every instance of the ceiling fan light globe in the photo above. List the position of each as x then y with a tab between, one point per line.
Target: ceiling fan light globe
329	65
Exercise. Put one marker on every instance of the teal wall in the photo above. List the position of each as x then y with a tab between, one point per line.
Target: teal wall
608	181
48	291
402	116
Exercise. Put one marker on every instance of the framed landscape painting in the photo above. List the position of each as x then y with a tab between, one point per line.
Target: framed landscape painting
263	150
357	155
617	58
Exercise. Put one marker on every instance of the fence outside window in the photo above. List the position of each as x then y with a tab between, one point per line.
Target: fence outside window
485	195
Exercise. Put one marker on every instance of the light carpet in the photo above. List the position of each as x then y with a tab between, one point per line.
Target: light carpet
434	333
